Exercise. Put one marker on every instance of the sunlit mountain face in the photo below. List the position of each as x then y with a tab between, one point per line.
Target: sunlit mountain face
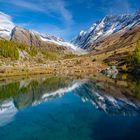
105	27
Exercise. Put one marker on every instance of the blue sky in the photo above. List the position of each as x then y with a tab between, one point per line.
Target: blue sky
63	18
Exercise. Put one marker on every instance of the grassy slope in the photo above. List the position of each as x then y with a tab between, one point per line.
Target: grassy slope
20	59
117	49
11	49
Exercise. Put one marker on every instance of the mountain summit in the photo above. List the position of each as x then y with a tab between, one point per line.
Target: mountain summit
10	31
105	27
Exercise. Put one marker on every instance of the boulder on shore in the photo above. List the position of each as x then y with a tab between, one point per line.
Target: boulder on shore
111	71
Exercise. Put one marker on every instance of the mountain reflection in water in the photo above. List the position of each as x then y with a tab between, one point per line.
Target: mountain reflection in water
112	97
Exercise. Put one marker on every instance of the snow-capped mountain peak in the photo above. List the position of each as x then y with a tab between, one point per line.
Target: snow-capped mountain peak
105	27
82	33
8	30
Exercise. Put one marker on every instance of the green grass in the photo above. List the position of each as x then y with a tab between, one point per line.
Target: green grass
10	49
31	50
51	55
135	57
69	56
14	89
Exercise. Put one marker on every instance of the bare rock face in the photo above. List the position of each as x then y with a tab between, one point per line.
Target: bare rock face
24	36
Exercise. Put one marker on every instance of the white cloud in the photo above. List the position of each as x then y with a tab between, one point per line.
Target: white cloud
6	22
54	8
60	7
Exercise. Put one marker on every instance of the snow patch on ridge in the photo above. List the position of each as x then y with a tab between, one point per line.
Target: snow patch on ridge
63	43
7	26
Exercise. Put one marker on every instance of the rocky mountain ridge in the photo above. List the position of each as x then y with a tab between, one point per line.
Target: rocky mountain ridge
106	27
9	31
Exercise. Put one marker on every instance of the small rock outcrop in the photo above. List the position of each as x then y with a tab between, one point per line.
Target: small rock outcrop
111	71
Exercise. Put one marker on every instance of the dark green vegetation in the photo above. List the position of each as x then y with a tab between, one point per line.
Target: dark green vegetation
17	88
69	56
134	60
121	50
10	49
11	89
51	55
135	57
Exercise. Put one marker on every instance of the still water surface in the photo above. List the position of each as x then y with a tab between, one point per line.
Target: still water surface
54	108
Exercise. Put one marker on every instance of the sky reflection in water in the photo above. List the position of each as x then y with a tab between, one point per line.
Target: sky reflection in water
69	109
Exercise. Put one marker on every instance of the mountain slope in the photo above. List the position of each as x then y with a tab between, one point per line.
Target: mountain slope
33	38
27	37
9	31
106	27
118	49
114	41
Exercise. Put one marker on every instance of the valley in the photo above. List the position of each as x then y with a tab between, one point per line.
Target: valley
69	70
112	41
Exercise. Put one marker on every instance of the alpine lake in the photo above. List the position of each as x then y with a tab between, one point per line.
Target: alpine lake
70	108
